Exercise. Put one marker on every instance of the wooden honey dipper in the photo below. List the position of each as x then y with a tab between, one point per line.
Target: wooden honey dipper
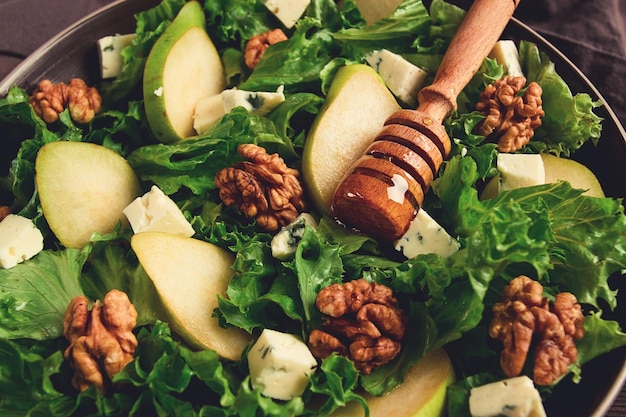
385	188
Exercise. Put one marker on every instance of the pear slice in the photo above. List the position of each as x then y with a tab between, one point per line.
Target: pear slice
422	394
83	188
188	275
374	10
578	175
356	107
558	169
183	66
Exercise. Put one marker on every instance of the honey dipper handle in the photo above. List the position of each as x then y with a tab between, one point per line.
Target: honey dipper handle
474	39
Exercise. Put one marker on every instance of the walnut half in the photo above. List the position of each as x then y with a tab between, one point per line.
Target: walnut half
263	187
525	317
256	46
4	211
511	118
362	321
101	339
49	100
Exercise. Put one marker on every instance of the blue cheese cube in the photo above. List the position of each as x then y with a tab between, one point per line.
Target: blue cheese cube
109	53
287	11
256	102
402	78
505	53
520	170
210	109
20	240
285	242
425	235
156	212
280	365
513	397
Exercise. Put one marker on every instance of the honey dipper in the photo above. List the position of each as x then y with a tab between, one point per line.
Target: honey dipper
384	189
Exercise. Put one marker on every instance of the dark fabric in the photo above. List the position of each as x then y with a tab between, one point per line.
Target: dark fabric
592	33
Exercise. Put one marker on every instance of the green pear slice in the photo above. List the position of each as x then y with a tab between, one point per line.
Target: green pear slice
188	275
83	188
578	175
183	66
374	10
356	107
558	169
422	394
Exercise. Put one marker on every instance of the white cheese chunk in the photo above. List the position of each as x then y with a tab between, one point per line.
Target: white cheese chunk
402	78
520	170
280	365
259	103
287	11
425	235
20	240
285	242
513	397
210	109
505	53
109	53
156	212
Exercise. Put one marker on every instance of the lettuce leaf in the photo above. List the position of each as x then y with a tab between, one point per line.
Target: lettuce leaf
26	384
304	62
114	266
396	32
590	239
193	163
35	294
569	119
236	21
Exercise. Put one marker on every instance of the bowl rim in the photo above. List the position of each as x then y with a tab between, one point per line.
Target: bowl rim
17	76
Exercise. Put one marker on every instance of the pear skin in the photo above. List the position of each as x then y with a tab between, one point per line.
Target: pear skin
183	66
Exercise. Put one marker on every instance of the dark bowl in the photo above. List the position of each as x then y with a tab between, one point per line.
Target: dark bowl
72	53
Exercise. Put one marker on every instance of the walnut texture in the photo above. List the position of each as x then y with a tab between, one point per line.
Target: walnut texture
524	316
511	118
256	46
4	211
361	321
49	100
262	187
101	339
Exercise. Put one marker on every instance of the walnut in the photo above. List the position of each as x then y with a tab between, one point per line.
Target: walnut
339	299
4	211
511	118
262	187
370	353
525	316
256	46
49	99
361	321
101	340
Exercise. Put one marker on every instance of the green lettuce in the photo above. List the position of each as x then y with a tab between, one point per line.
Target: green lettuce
35	294
553	233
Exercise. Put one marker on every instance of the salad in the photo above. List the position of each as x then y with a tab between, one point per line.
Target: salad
553	233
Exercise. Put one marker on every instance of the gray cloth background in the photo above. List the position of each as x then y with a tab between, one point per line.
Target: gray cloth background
592	33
